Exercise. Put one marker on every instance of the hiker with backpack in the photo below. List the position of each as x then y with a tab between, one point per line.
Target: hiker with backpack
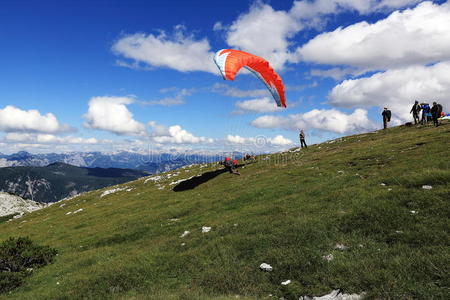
436	111
415	110
386	117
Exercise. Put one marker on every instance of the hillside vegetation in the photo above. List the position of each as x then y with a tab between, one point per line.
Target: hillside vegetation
352	214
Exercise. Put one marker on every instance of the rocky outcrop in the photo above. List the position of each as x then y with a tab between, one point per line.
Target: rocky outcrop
10	205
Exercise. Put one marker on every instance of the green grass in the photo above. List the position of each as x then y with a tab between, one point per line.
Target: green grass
288	211
7	217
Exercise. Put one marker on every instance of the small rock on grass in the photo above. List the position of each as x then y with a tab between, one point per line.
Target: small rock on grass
266	267
206	229
340	246
185	234
328	257
286	282
335	295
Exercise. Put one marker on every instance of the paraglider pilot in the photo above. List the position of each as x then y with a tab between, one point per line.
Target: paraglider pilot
230	165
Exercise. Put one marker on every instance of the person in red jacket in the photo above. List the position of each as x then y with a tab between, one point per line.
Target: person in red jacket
231	165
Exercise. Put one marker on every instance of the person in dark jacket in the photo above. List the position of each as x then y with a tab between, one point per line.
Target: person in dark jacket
436	111
415	110
425	112
249	158
386	117
302	139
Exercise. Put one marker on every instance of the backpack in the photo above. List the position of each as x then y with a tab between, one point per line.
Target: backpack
388	115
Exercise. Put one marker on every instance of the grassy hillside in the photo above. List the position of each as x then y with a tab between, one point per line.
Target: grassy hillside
362	192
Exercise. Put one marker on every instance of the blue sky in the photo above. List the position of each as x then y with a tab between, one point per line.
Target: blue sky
128	75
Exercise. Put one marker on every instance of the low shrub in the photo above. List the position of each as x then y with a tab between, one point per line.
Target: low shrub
18	257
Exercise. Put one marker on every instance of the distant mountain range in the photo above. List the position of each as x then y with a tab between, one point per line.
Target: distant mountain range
126	160
60	180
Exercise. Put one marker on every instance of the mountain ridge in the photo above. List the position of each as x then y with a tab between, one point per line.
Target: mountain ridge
153	163
60	180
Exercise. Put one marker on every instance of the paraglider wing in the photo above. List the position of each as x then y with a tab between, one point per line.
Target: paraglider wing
231	61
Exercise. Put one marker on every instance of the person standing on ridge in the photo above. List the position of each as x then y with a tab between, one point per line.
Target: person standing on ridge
386	117
436	111
425	112
302	139
415	110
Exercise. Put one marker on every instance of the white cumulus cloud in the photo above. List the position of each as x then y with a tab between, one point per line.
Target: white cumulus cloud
269	33
47	139
111	114
261	30
236	139
330	120
174	135
261	105
180	52
280	140
397	89
414	36
264	32
259	141
13	119
312	10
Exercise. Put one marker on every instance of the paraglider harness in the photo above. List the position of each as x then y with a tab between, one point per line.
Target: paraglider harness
230	165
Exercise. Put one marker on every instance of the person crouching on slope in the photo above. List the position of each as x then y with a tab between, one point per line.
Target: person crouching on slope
231	166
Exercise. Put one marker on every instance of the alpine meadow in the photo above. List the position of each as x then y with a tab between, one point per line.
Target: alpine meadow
331	217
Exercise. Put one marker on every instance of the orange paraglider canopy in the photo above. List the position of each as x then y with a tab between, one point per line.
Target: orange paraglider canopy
231	61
